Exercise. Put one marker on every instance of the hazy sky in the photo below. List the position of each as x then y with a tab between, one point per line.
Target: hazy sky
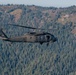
45	3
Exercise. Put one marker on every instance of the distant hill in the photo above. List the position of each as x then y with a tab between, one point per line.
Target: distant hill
39	16
35	59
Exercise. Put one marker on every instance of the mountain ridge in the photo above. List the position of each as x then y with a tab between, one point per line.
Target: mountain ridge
35	59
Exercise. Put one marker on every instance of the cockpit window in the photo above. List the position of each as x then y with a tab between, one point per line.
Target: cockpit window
48	37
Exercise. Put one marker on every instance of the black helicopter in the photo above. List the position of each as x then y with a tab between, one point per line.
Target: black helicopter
30	37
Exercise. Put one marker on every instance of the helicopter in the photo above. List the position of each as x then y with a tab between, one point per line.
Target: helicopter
30	37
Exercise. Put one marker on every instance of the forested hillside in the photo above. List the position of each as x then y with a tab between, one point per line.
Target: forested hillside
33	58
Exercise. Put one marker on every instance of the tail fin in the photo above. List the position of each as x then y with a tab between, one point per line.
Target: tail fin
2	34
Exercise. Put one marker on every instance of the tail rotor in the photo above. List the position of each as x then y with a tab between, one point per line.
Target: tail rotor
2	34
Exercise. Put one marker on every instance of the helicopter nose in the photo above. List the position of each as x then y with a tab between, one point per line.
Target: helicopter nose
55	39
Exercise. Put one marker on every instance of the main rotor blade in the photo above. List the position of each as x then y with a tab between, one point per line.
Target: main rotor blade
26	26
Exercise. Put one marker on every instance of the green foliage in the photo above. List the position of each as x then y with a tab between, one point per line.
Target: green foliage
35	59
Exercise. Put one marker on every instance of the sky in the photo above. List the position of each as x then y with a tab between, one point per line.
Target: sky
44	3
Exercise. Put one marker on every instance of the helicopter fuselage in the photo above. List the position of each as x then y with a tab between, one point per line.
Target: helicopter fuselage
33	38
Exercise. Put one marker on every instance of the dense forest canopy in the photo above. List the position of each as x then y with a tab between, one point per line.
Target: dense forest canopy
35	59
